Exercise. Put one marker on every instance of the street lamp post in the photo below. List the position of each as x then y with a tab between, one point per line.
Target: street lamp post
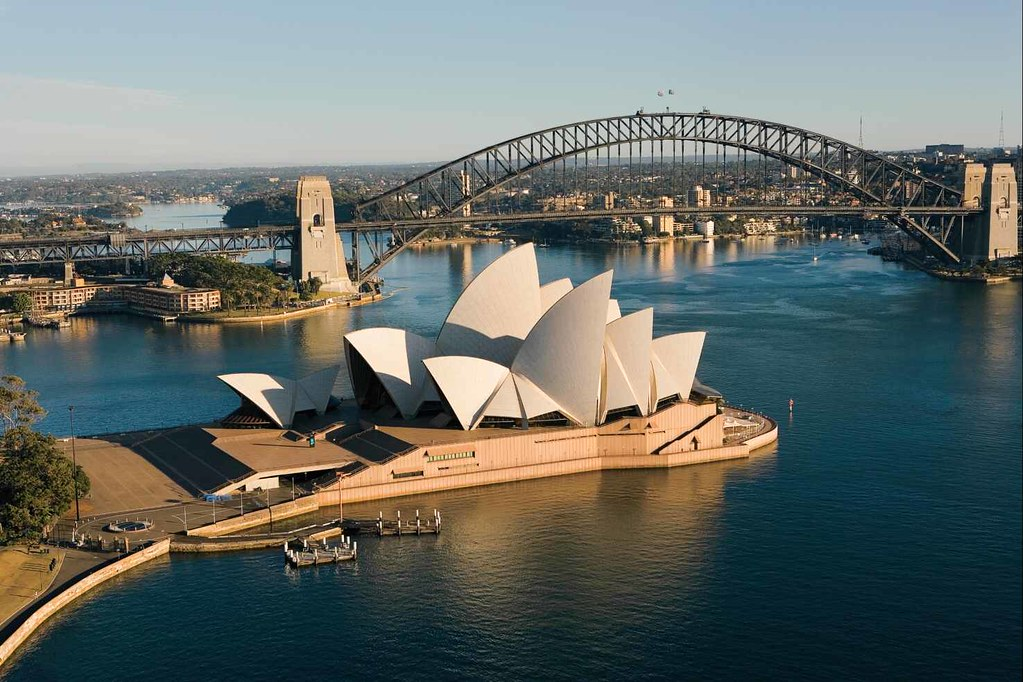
74	463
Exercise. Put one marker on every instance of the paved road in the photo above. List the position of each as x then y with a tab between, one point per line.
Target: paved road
177	518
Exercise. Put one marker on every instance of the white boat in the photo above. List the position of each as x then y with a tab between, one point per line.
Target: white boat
509	242
11	335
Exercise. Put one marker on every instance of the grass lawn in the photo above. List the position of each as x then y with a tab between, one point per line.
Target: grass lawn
24	576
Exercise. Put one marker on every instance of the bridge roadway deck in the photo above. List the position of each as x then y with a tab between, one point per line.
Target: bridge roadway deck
590	214
117	245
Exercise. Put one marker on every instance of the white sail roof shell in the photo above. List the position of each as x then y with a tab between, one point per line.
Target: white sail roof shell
396	356
613	311
679	355
616	392
552	292
315	389
534	401
627	352
662	384
274	396
280	398
562	354
496	311
466	384
505	402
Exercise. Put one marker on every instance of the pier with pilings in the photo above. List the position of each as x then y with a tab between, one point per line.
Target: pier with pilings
301	553
396	527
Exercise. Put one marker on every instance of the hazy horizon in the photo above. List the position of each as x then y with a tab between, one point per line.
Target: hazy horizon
115	169
88	87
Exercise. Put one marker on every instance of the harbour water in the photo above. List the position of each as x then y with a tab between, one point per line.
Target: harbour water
176	217
880	539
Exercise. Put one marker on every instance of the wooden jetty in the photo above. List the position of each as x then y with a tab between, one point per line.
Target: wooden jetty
394	527
305	554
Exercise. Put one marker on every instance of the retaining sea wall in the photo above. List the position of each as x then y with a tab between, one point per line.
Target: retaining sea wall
328	496
73	591
261	517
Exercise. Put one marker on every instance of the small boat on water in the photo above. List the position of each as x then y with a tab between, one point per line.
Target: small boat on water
509	242
650	240
11	335
864	241
49	322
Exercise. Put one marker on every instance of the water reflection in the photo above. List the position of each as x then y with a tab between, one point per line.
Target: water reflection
614	536
888	522
131	373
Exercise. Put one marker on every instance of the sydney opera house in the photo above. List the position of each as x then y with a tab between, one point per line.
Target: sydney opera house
523	380
514	353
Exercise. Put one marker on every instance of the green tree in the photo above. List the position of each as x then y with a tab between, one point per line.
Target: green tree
37	480
36	483
18	405
21	302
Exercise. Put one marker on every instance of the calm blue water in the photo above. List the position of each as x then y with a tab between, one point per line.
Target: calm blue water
881	539
176	217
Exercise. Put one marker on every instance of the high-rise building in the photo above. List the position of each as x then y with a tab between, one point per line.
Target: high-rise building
664	223
604	202
699	197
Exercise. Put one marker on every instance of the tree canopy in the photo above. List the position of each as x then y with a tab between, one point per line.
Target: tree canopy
18	302
37	480
279	209
18	405
238	282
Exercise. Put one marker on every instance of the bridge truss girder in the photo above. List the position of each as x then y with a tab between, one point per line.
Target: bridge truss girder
144	245
447	191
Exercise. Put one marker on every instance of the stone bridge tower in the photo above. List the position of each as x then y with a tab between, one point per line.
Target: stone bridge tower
993	233
318	251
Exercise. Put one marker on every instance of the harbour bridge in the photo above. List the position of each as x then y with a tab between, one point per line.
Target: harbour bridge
643	164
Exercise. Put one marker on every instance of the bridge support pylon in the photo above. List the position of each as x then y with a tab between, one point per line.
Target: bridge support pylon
991	234
317	251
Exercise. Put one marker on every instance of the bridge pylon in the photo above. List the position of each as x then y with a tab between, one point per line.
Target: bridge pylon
317	250
992	233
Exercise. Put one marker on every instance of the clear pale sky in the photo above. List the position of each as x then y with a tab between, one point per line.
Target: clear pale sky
93	85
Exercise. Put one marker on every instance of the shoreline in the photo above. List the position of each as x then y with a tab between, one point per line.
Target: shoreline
209	538
288	315
25	623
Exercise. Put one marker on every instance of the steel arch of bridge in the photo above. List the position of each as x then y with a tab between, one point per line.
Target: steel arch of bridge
445	191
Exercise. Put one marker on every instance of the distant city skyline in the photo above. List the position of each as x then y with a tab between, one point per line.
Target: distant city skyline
90	87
